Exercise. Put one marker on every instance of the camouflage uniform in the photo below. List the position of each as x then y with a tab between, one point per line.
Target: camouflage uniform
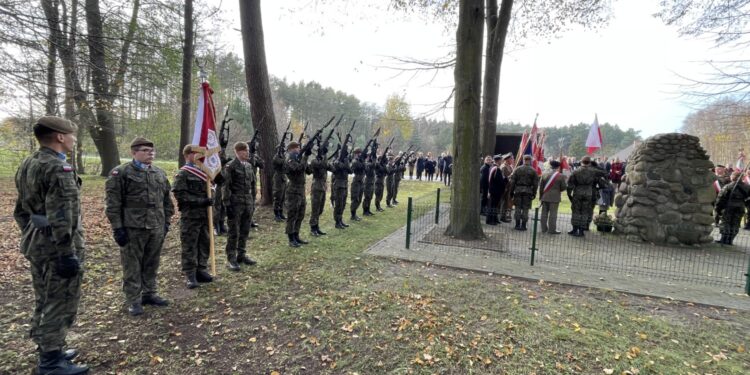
191	195
295	192
524	182
319	168
397	177
580	191
49	187
279	185
389	178
506	202
257	163
370	167
138	200
381	171
341	172
357	190
731	204
239	182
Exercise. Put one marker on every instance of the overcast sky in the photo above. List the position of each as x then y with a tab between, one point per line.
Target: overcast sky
626	72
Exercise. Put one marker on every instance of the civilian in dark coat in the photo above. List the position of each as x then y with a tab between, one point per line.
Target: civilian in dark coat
420	165
484	182
496	189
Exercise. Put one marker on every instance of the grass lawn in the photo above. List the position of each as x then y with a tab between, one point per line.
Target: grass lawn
328	308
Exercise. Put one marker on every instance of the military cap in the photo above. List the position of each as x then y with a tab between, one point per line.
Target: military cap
527	157
720	166
191	148
554	164
497	157
507	156
57	124
357	150
292	145
140	141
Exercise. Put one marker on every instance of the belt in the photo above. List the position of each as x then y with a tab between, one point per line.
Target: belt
139	205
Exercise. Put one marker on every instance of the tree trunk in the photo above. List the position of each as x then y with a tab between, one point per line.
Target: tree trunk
259	90
187	70
51	100
464	214
497	31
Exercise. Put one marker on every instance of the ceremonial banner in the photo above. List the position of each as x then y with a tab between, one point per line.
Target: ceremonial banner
594	140
205	135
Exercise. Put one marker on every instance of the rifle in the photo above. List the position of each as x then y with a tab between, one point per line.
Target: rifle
398	159
323	144
316	136
388	148
302	135
282	146
344	151
224	131
363	155
253	142
335	153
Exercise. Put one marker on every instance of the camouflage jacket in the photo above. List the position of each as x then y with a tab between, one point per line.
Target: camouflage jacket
381	170
278	169
731	196
581	182
370	172
358	168
48	186
295	171
319	169
189	190
524	180
239	183
138	198
341	172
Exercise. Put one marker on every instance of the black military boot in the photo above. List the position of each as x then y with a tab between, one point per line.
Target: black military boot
378	208
367	213
153	299
338	225
518	225
574	231
70	354
281	214
320	232
203	276
292	241
54	362
254	225
191	281
232	265
523	224
135	309
299	240
313	231
345	225
276	216
355	217
580	232
491	219
244	259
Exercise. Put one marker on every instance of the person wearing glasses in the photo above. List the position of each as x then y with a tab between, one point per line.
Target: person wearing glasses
139	207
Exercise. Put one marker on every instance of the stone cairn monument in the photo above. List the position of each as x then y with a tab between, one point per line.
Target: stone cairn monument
667	194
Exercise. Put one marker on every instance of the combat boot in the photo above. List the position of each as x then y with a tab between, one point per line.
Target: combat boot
378	208
345	225
355	217
203	276
580	232
54	362
367	213
320	232
191	282
299	240
292	241
135	309
573	231
313	231
244	259
518	224
277	216
523	224
155	300
338	225
730	239
281	214
232	265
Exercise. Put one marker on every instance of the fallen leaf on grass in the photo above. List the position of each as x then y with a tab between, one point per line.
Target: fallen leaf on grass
609	371
155	360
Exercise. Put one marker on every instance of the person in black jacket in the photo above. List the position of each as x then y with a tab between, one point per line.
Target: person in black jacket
420	165
484	183
496	188
447	169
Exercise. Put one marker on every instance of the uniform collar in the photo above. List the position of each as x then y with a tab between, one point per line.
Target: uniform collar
142	166
59	155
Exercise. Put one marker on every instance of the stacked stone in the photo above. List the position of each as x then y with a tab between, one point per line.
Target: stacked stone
667	194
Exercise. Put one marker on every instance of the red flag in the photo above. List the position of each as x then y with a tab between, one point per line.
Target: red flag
204	134
594	140
535	148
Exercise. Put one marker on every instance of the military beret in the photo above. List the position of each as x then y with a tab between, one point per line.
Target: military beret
357	150
497	157
191	148
140	141
292	145
58	124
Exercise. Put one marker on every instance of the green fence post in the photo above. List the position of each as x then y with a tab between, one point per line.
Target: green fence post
437	207
533	235
408	222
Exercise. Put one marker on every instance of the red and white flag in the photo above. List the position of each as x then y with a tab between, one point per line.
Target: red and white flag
204	134
594	140
536	148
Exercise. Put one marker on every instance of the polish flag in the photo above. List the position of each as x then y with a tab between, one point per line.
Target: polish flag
594	140
204	134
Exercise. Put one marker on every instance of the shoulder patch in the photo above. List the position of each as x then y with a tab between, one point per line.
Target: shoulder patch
67	168
115	172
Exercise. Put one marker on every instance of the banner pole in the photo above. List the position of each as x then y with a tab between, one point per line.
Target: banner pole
211	253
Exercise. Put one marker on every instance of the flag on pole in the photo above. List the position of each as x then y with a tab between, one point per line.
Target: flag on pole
204	134
522	147
534	148
594	140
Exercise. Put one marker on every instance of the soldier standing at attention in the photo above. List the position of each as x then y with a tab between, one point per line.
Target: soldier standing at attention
369	184
295	168
397	177
341	172
139	208
731	206
220	213
239	178
391	169
506	203
381	171
524	182
319	168
48	212
550	190
279	185
192	200
580	193
357	190
257	162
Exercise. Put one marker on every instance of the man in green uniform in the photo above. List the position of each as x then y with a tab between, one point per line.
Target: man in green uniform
731	205
381	171
239	177
139	208
397	177
580	192
295	168
369	184
341	172
524	182
279	185
391	170
319	168
257	162
48	213
192	199
220	212
722	179
357	190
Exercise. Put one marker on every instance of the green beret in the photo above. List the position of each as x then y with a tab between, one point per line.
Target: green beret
58	124
140	141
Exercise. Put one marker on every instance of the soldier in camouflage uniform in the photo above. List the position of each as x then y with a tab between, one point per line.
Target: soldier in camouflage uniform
257	162
381	171
722	179
524	182
139	208
319	168
239	179
580	192
48	213
295	168
357	190
397	177
192	199
506	202
279	185
341	172
390	176
369	188
731	206
220	212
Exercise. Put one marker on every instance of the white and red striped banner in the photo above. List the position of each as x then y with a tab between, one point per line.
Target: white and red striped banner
204	134
594	140
195	171
555	175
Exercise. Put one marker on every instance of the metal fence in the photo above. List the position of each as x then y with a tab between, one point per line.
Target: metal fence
709	264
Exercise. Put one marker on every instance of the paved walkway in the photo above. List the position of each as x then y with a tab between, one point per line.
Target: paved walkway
491	261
